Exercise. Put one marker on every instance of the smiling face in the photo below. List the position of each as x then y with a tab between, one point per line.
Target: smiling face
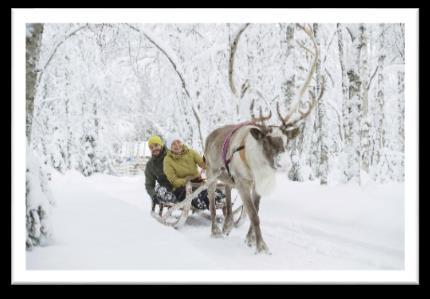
176	146
155	149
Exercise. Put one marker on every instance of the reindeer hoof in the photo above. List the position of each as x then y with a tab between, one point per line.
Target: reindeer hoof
262	248
249	242
266	251
227	229
216	232
227	232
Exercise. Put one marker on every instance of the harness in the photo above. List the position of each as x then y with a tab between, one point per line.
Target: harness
226	145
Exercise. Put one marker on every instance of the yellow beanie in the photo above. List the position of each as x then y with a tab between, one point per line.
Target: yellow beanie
154	139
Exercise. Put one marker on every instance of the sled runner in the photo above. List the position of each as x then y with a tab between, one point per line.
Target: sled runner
178	213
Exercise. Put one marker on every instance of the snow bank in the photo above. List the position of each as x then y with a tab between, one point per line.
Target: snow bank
39	227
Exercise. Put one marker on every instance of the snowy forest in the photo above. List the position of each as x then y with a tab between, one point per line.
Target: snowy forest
96	92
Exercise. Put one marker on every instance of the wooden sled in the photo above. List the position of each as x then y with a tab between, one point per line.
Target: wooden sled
177	214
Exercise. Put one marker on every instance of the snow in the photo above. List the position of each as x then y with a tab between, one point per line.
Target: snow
103	222
39	202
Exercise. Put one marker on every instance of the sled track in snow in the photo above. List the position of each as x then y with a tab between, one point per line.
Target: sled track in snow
327	243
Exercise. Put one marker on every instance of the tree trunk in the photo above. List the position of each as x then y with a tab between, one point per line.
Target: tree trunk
353	148
345	105
365	123
401	101
33	43
401	105
347	147
322	119
380	132
38	198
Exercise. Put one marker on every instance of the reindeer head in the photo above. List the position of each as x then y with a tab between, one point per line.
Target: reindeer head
274	139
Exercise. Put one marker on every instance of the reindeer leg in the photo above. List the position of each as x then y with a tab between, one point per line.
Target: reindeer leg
215	230
254	219
228	221
256	199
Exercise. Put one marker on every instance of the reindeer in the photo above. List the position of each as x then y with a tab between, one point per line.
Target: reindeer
246	156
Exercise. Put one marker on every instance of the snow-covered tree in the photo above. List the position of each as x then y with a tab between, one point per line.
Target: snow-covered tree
38	197
102	85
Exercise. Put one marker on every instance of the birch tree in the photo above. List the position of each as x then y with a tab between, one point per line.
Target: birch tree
380	98
38	196
322	115
364	118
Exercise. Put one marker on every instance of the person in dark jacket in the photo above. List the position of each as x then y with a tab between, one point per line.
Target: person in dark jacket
156	183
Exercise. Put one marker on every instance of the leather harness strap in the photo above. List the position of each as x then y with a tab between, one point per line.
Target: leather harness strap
241	150
226	145
242	154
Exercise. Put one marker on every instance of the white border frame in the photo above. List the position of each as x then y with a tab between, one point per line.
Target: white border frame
22	16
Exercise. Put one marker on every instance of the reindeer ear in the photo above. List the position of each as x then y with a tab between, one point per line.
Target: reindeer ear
257	134
293	133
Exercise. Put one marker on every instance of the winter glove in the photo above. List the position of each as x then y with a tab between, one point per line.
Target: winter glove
188	179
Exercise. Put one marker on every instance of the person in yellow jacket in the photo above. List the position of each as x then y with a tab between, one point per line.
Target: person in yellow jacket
180	166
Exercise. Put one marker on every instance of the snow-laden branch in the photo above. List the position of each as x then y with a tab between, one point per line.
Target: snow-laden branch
328	47
339	118
350	33
330	76
181	78
371	78
301	44
56	48
184	86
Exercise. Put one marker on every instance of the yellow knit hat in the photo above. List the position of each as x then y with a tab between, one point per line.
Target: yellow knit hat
154	139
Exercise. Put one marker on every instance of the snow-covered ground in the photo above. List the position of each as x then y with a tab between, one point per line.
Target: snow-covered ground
104	223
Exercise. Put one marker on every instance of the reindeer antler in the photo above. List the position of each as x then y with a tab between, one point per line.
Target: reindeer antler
286	121
314	100
306	112
261	118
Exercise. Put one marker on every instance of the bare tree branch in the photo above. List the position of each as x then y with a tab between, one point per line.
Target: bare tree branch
385	29
329	44
184	86
371	78
301	44
329	75
339	120
350	33
399	50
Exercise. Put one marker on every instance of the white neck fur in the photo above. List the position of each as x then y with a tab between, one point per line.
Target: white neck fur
263	174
